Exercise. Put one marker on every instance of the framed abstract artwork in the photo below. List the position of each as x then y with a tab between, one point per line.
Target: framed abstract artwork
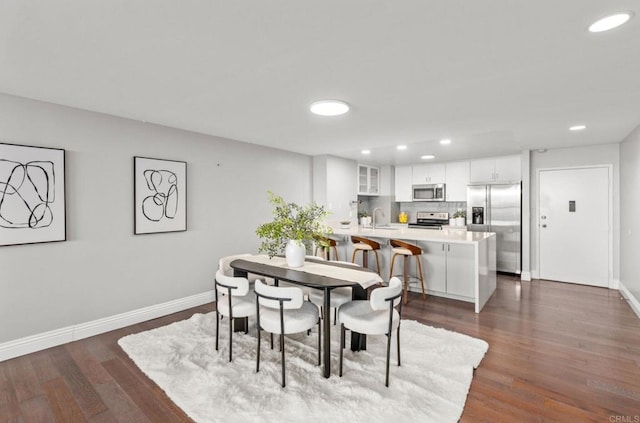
160	195
32	195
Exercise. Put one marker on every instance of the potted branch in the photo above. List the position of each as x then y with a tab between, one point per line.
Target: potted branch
293	229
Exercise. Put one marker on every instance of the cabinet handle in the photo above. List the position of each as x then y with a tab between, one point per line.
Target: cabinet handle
442	247
449	247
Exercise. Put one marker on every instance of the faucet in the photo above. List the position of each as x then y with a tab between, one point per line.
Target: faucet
373	219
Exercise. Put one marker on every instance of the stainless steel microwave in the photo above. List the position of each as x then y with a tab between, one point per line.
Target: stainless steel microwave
428	192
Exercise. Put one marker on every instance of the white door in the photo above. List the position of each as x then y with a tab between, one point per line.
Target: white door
574	225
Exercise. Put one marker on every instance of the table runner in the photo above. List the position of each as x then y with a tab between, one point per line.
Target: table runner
364	278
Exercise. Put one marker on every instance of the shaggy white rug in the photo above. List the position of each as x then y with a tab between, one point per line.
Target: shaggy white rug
431	385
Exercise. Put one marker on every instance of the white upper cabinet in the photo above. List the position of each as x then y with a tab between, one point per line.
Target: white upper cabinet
457	179
368	180
428	174
404	177
497	169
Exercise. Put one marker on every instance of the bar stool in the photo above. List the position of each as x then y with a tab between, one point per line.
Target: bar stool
365	245
406	250
331	243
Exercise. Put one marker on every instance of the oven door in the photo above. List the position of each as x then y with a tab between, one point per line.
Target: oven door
431	192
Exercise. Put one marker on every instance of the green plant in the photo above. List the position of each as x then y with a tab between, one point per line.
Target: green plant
292	222
362	213
460	213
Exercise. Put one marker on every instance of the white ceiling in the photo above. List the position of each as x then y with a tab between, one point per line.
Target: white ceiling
495	76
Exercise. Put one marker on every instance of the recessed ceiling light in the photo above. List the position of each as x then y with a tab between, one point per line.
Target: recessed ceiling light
401	147
329	107
366	151
445	141
610	22
577	128
428	157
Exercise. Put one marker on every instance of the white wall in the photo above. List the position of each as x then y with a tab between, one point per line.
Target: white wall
334	186
572	157
103	269
629	215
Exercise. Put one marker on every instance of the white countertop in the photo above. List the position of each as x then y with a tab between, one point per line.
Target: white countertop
416	234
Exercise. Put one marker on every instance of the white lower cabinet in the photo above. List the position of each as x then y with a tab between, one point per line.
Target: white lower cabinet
449	268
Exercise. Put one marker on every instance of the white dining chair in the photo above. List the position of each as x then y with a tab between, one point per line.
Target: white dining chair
338	296
224	264
376	316
282	310
234	300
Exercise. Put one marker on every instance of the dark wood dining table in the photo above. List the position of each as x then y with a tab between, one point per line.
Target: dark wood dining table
299	276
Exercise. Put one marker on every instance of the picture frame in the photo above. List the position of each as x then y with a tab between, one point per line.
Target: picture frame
160	195
32	195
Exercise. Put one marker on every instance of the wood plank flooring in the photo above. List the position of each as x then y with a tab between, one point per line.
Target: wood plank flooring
558	352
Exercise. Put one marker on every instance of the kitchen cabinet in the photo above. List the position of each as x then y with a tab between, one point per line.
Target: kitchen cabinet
404	176
428	174
457	179
368	180
497	169
450	268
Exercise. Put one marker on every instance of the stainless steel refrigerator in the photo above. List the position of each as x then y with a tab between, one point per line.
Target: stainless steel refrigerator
498	208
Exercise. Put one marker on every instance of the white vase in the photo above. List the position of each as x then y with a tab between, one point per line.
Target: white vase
459	221
294	252
452	221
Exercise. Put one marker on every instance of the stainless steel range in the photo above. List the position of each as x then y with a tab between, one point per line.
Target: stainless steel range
430	220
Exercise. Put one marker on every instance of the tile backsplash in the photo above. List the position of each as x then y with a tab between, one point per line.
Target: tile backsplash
391	209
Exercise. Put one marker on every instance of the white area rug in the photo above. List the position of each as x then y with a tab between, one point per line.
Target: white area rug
431	385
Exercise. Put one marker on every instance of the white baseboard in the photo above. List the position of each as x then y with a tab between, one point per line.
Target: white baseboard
525	276
615	284
535	274
633	301
56	337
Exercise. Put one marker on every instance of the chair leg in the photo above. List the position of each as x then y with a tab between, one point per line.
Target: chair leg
377	261
353	257
319	342
246	325
258	355
335	316
217	328
342	345
393	260
398	330
271	340
421	278
405	294
386	383
230	337
335	251
282	353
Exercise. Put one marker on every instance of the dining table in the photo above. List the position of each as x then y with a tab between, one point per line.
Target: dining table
315	274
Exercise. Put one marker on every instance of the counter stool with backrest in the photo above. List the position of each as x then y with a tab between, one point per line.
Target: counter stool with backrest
401	248
331	244
365	245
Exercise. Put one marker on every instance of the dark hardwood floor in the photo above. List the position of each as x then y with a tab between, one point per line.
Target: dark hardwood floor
558	352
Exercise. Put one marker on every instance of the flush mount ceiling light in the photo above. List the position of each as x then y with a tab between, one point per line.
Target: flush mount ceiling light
401	147
329	107
610	22
577	128
366	151
428	157
445	141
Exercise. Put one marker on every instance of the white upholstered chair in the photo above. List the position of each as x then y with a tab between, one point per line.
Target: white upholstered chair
282	310
377	316
234	300
338	297
224	264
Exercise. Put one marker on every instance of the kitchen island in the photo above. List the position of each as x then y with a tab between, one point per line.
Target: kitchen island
457	264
